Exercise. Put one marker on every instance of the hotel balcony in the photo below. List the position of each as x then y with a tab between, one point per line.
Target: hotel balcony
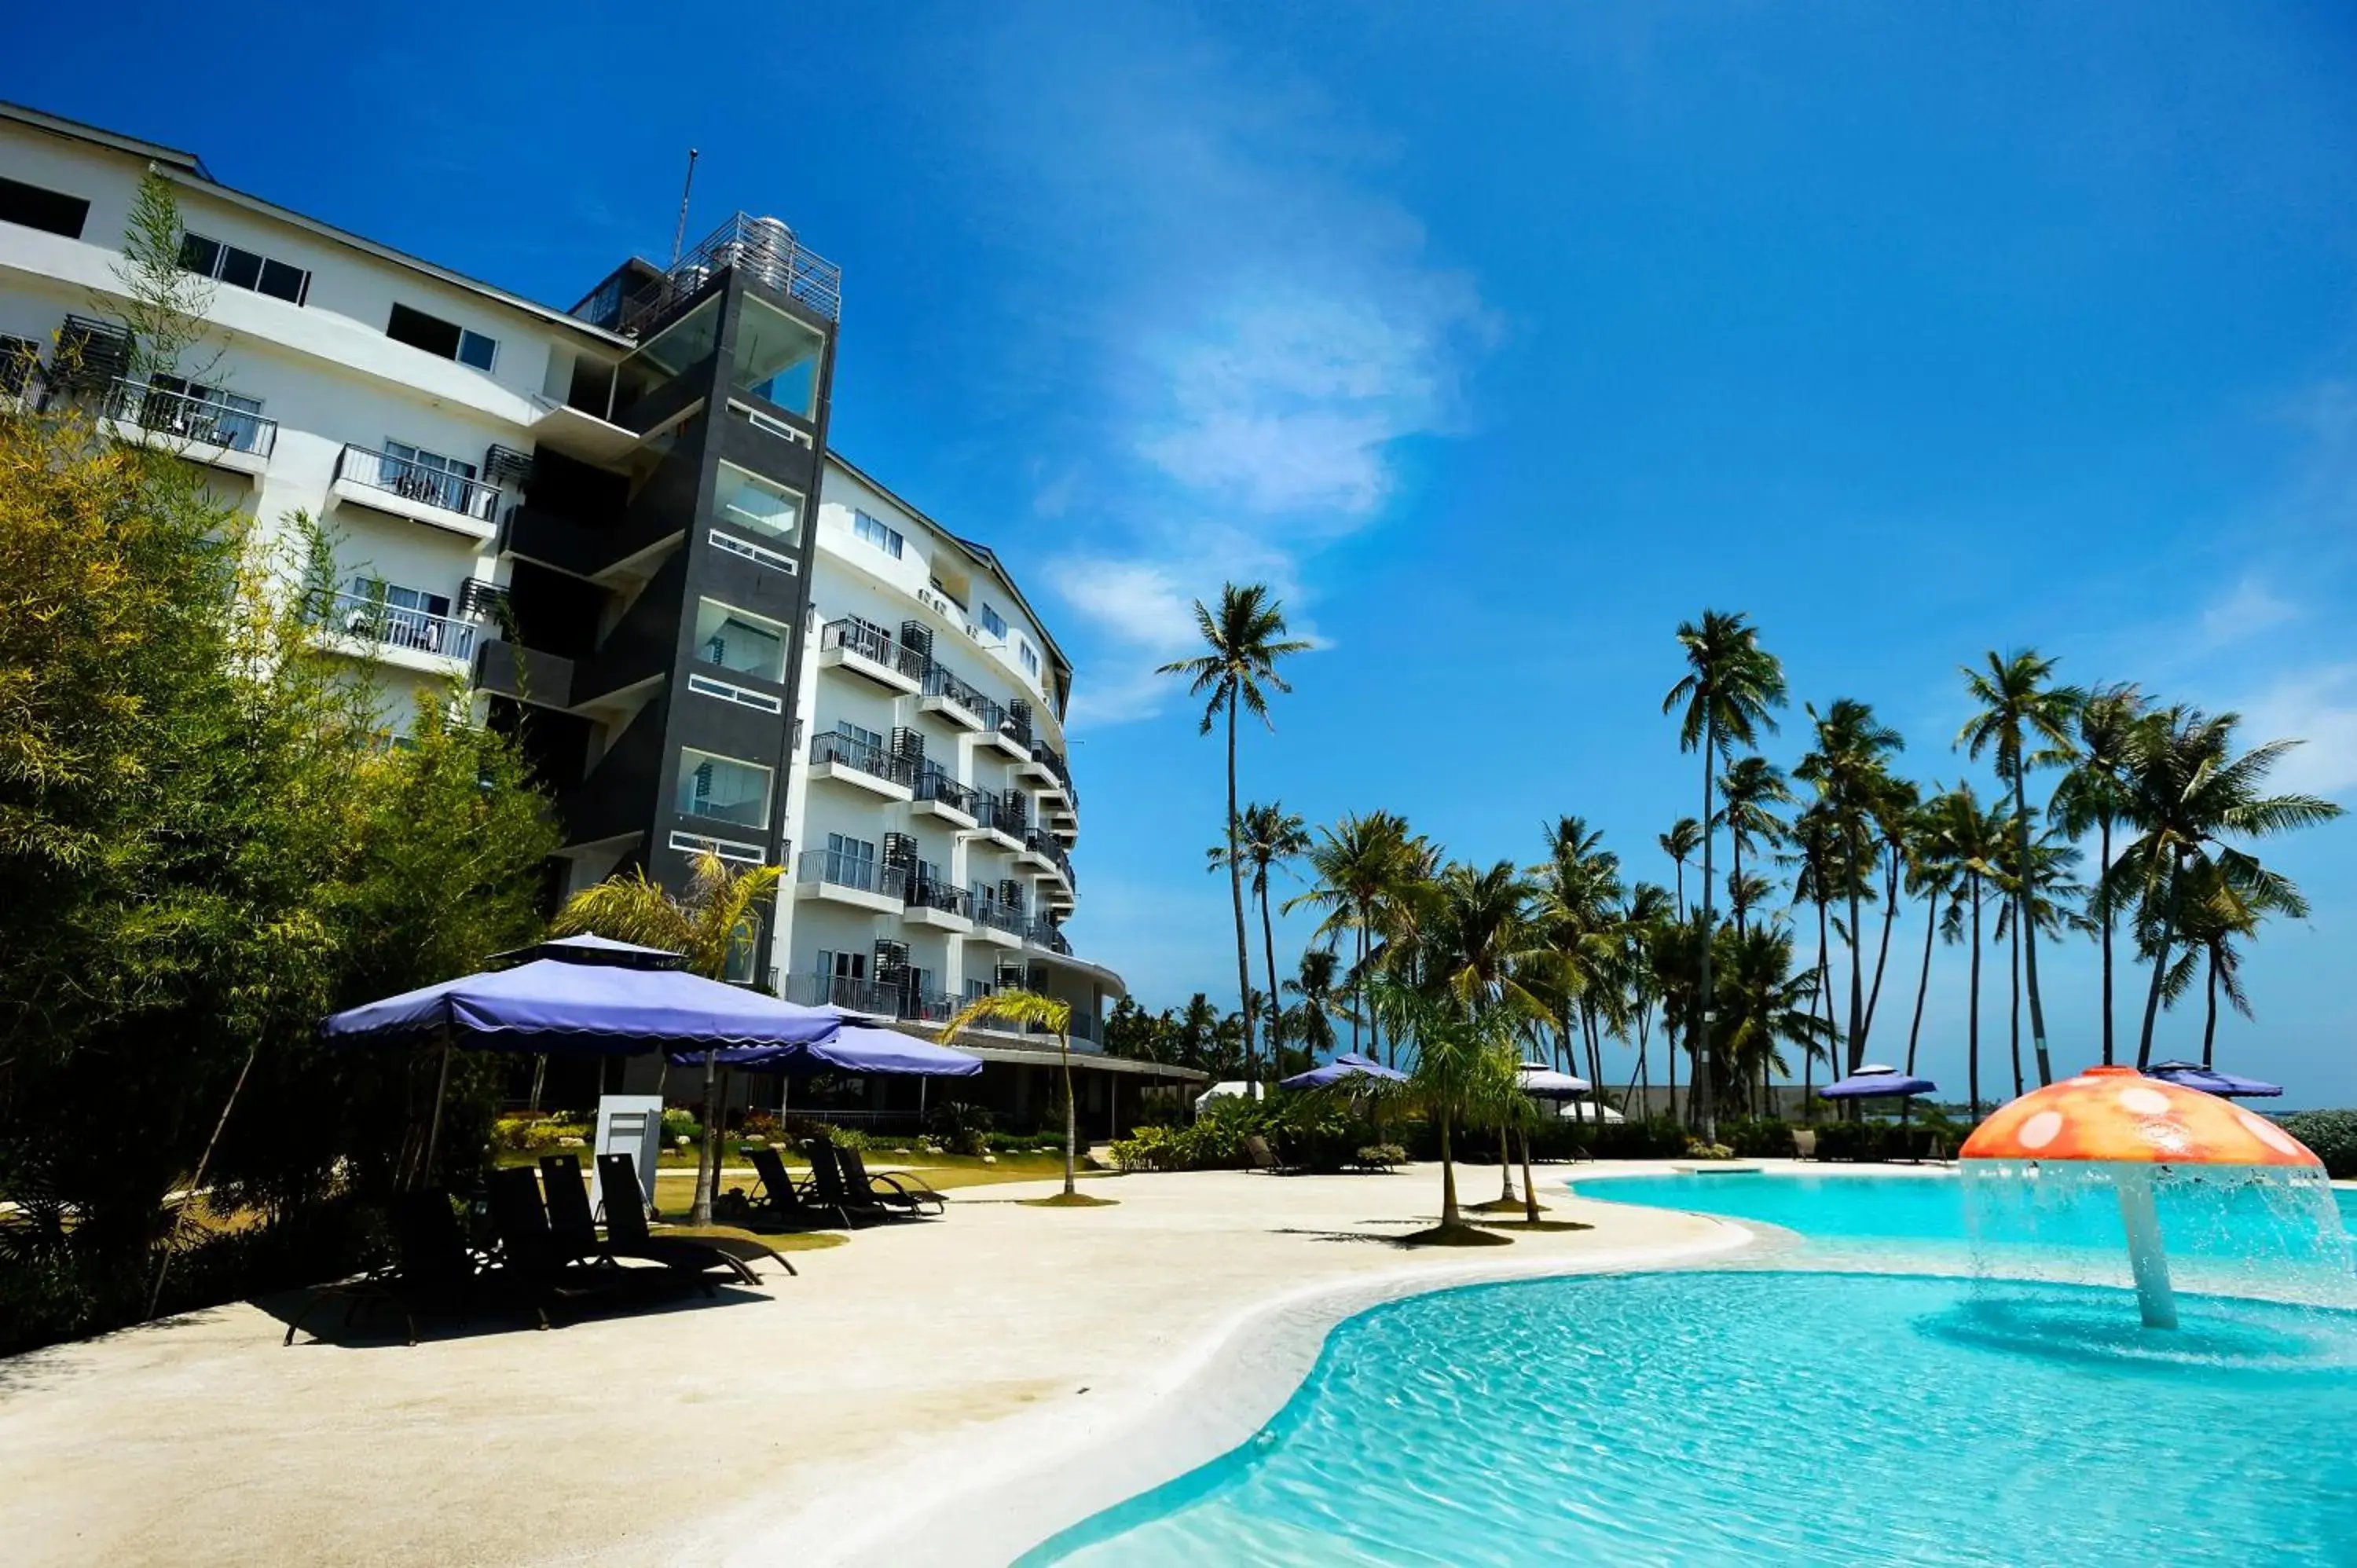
865	648
938	905
1044	767
1044	935
863	767
939	795
1012	736
955	701
1005	827
1001	923
880	999
853	880
207	430
365	627
399	487
1039	852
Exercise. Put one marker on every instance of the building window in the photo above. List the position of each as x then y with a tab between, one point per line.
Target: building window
884	537
1030	659
52	211
777	359
736	640
244	269
854	733
850	848
750	503
437	336
723	787
992	622
428	476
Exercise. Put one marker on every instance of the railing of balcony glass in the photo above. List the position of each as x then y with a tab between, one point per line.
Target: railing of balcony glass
833	745
419	482
374	620
859	873
203	420
873	643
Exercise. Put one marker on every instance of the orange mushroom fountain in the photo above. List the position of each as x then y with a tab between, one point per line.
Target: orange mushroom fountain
2138	1127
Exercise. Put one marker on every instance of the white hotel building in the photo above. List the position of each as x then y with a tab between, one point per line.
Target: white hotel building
621	530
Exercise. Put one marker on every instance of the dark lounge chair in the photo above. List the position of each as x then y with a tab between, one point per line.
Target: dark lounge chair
536	1260
627	1235
434	1268
835	1193
570	1217
894	1188
782	1198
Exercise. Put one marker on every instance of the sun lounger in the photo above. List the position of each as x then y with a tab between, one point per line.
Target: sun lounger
627	1235
1805	1143
898	1188
1256	1153
835	1193
433	1267
532	1256
783	1197
570	1217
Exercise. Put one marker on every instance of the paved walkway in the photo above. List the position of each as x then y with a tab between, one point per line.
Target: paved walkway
996	1349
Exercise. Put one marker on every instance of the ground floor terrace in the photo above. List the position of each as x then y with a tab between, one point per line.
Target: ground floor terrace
940	1392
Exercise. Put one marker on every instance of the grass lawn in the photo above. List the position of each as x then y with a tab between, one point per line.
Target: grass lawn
675	1187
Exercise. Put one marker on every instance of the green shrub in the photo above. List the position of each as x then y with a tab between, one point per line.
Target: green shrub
1757	1137
2332	1134
1150	1149
964	1127
1381	1156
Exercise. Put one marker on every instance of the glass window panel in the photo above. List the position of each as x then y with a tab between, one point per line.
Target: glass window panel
199	255
722	788
684	342
477	350
240	269
747	500
744	643
283	281
778	358
992	622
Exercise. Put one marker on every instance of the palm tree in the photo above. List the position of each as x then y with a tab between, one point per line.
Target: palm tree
2020	708
1746	891
1763	1004
1316	1004
1723	701
2049	897
1464	1063
1932	874
1684	838
2095	795
1578	893
2210	922
1894	815
716	927
2189	794
1845	765
1487	956
1750	790
1273	838
1817	852
1362	872
1973	839
1246	639
1647	909
1028	1010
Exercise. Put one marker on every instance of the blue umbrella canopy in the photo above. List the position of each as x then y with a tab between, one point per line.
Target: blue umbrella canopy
2210	1080
1543	1082
1873	1081
854	1047
584	1009
590	949
1349	1066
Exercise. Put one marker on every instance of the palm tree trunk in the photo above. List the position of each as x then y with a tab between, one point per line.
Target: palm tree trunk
1679	863
2103	908
1268	948
1671	1047
1824	964
2024	898
1735	887
1972	1011
1448	1215
1236	891
2160	962
1882	954
1358	988
2020	1087
1071	1118
1703	997
1923	980
1857	973
1530	1187
2209	1024
707	1154
1505	1166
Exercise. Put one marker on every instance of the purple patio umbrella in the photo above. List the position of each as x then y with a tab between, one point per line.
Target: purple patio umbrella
2210	1080
1874	1082
854	1047
1348	1068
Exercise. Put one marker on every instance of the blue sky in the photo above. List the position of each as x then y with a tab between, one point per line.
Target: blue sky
1499	347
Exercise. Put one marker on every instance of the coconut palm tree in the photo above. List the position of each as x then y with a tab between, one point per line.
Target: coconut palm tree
2020	708
1847	765
1578	892
2190	795
1764	1005
1750	791
1746	891
1645	911
1027	1010
1973	839
1723	701
716	926
1488	956
1463	1062
1363	874
1684	838
1894	816
1315	1002
1245	639
1269	836
2094	795
1931	874
1817	855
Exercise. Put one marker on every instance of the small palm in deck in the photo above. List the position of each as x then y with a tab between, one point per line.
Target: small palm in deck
1028	1008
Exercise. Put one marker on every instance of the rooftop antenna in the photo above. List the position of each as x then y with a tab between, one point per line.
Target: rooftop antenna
679	231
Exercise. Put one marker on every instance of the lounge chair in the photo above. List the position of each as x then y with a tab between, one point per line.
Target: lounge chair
783	1197
627	1235
570	1217
433	1267
900	1189
1256	1153
835	1193
532	1256
1805	1143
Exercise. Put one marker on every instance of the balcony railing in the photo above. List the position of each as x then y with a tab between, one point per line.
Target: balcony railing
1053	761
416	482
833	745
949	900
940	683
374	620
1014	815
1039	841
934	784
835	869
1044	934
204	422
1017	728
873	643
763	249
909	1001
998	916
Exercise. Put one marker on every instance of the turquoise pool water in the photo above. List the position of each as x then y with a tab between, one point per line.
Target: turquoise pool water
1816	1418
1803	1417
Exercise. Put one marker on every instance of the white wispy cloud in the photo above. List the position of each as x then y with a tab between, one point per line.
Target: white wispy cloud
2250	609
2317	706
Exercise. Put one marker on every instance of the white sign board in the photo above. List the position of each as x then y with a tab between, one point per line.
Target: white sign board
628	1124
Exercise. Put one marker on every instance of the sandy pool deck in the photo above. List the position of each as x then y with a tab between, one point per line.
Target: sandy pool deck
942	1393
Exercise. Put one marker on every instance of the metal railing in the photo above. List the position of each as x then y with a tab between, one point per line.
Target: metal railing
998	916
939	682
949	900
206	421
910	1002
934	784
1017	729
1014	814
1053	761
872	642
372	620
764	249
836	869
1044	934
417	483
1039	841
834	746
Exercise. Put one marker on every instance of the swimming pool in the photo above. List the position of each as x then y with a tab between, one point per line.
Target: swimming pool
1778	1417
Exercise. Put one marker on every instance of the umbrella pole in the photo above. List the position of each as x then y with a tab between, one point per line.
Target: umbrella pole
433	1126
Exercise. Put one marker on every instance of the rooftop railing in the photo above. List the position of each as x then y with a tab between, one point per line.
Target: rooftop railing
417	483
205	421
764	249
